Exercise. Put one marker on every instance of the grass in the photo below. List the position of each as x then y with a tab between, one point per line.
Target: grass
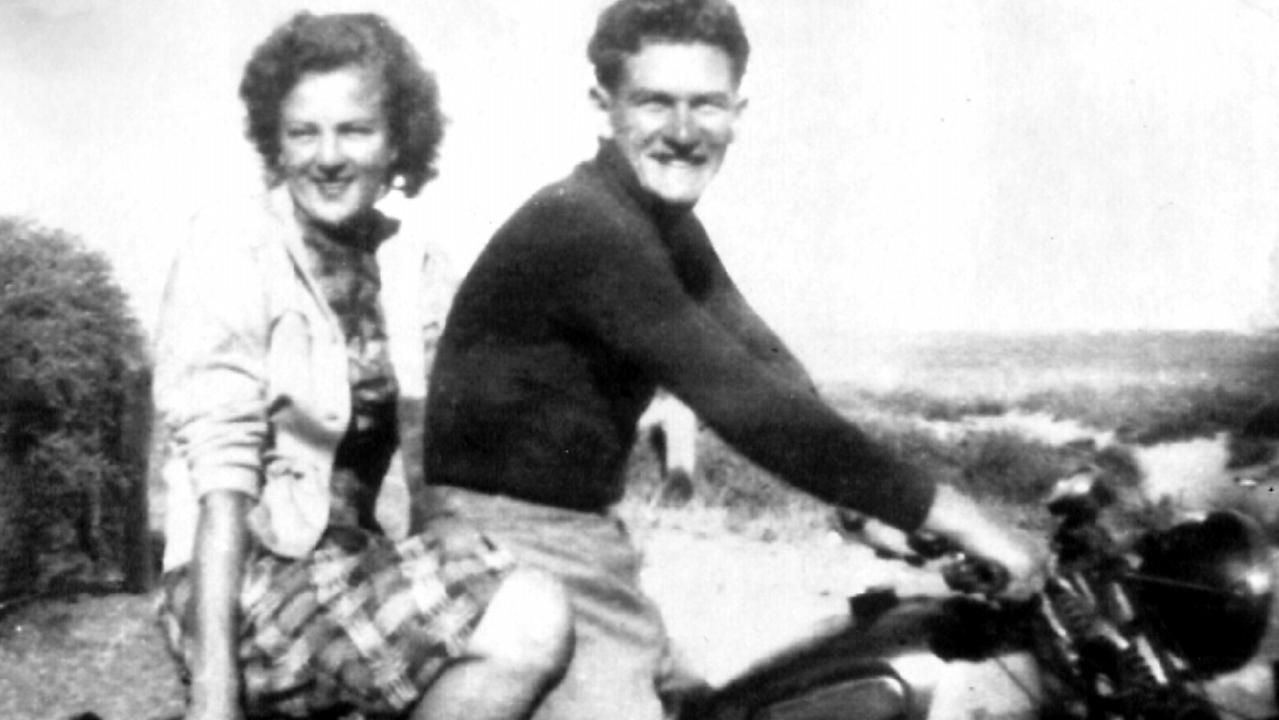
1143	388
1005	469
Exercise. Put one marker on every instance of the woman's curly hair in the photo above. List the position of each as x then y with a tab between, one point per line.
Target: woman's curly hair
625	25
321	43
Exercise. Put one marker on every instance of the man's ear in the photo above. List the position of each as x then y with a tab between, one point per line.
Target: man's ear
602	99
739	109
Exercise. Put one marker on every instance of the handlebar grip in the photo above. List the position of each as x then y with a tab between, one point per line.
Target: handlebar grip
975	576
930	546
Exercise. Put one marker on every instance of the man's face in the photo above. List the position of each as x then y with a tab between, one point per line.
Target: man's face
672	116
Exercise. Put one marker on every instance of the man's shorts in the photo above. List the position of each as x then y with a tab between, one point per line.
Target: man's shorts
621	664
363	623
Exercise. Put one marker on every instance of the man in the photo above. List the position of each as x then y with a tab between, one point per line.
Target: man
600	289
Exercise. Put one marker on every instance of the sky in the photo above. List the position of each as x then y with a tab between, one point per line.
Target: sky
902	167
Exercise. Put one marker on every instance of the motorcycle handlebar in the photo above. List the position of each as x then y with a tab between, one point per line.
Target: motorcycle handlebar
974	576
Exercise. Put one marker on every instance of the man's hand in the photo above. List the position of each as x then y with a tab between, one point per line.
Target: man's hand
959	519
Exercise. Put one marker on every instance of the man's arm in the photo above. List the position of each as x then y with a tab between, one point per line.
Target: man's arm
728	305
624	292
210	393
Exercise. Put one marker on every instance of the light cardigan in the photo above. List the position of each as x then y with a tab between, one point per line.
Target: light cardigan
251	379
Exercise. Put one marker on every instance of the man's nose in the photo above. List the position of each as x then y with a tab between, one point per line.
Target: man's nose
681	125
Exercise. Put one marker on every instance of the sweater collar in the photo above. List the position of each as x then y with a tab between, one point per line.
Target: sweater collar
621	177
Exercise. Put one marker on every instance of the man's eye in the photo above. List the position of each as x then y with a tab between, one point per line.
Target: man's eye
298	133
651	102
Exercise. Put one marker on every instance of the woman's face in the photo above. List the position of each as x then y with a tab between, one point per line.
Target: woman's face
335	145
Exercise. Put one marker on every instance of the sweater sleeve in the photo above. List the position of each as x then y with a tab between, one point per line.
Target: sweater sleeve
619	287
727	305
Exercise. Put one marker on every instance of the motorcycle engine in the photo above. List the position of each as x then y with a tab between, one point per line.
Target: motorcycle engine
1207	587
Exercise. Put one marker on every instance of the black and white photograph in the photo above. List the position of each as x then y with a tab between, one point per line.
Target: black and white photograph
639	359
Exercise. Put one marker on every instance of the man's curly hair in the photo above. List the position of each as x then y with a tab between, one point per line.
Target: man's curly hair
321	43
625	25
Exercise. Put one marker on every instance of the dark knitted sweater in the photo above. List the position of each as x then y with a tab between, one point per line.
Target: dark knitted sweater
587	299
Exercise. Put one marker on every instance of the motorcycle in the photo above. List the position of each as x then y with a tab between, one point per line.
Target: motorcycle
1121	630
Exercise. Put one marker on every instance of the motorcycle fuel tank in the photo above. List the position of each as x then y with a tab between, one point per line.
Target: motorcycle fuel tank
888	664
880	697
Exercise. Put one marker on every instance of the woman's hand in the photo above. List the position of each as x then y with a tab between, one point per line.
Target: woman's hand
221	545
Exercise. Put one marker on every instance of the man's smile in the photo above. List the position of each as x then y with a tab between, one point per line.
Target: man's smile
682	160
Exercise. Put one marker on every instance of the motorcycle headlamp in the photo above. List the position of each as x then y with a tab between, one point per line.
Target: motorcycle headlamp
1207	585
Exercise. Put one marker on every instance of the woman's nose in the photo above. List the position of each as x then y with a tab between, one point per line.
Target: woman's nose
329	153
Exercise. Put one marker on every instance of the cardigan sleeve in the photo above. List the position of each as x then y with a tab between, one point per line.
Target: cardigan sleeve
210	354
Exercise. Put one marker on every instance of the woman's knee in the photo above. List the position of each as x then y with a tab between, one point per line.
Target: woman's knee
528	626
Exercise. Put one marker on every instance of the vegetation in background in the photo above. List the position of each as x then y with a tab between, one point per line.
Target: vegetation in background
1144	388
72	368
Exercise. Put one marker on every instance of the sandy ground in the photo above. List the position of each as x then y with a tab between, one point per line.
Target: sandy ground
728	600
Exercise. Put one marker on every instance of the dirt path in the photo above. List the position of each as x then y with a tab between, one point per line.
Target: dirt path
101	654
728	600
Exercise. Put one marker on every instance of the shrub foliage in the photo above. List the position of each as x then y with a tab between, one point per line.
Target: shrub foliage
72	365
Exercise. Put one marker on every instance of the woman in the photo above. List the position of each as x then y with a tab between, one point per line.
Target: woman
281	595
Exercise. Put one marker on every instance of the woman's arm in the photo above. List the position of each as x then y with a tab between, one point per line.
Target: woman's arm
221	543
211	348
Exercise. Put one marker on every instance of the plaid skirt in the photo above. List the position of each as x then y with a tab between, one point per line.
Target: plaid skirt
364	623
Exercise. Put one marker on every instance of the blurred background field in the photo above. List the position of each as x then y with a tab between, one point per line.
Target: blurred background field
1006	416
